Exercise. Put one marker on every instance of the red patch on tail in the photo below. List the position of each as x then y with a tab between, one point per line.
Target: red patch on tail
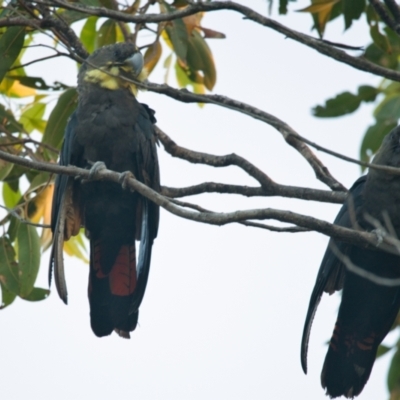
122	277
123	273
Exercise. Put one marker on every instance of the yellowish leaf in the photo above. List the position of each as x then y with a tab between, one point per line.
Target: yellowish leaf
322	10
319	6
42	204
74	248
119	35
152	56
167	41
193	21
46	237
12	88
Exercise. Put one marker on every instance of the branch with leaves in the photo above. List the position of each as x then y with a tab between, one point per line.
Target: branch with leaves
30	141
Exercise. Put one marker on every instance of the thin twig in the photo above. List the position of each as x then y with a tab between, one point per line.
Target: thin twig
39	60
289	229
14	213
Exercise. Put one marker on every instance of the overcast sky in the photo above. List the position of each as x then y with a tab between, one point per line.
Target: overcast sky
224	309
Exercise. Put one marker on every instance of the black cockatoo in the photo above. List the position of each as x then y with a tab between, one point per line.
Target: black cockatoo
367	310
112	127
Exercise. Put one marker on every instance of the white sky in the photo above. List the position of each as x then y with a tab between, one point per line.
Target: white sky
224	309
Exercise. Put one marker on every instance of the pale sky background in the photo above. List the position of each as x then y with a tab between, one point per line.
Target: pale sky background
223	314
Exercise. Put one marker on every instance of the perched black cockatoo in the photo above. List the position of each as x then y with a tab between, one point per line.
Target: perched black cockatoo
112	127
367	310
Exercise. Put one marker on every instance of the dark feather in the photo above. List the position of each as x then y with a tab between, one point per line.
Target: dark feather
62	189
331	272
368	309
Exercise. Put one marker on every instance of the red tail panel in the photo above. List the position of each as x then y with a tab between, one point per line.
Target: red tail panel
123	273
122	277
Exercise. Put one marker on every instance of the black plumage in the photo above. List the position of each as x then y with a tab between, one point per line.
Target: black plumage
109	126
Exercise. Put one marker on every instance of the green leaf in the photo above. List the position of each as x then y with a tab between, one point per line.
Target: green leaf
7	297
9	121
382	350
184	81
388	109
371	14
39	180
167	66
368	93
199	58
376	55
346	103
54	132
28	257
5	169
88	33
13	228
380	40
11	43
352	10
37	294
107	34
71	16
283	6
37	83
178	35
393	377
392	89
343	103
8	266
32	118
10	197
13	177
373	138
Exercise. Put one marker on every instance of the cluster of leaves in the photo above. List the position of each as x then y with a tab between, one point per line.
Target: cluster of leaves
384	50
25	128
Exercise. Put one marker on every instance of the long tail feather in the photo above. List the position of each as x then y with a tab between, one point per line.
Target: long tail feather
56	256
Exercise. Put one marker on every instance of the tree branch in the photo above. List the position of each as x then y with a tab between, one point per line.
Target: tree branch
289	229
290	135
394	9
363	239
296	192
319	45
268	186
385	17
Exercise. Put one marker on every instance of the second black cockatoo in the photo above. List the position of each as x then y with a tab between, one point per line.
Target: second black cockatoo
367	310
109	126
